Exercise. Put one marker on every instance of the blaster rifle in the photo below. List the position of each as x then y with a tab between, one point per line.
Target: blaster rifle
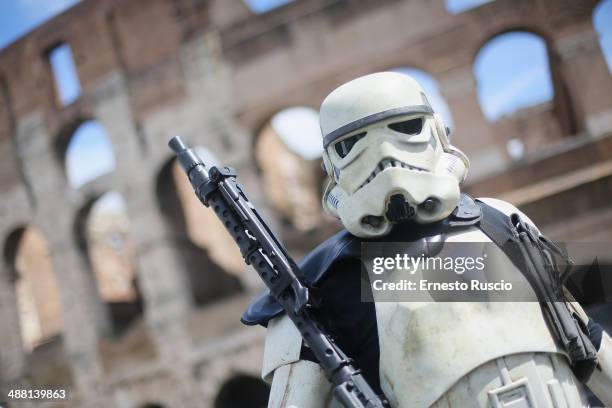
219	190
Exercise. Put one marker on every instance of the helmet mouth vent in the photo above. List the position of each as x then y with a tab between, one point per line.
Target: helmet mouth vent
399	209
389	163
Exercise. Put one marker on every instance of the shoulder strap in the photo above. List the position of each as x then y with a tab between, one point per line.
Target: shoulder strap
525	250
498	227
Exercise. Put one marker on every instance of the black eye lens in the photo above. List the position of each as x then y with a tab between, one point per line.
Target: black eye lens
343	147
409	127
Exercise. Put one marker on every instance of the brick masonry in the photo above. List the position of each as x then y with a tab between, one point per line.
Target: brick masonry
215	73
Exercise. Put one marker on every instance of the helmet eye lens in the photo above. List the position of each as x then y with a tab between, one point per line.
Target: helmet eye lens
408	127
344	146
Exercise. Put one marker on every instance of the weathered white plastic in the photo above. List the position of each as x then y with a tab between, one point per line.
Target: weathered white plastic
525	380
436	168
295	383
283	345
300	385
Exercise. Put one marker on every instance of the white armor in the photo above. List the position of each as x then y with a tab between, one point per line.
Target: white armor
445	354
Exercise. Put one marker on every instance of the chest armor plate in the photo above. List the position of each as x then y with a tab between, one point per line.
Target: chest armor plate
426	347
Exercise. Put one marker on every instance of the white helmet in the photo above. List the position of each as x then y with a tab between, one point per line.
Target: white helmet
387	155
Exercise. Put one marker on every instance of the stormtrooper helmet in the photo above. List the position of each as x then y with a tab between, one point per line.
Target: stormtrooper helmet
388	156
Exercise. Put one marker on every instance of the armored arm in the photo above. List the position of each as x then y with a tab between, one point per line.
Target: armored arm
295	382
600	381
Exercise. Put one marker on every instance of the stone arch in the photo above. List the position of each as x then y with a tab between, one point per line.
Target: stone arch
62	66
84	149
208	279
243	390
39	304
64	135
491	44
101	231
537	96
289	164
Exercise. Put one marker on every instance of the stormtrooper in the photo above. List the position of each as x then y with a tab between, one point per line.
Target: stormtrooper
393	175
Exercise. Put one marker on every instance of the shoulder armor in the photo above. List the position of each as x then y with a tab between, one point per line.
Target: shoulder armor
282	347
467	213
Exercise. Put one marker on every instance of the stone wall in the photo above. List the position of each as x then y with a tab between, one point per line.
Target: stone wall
215	73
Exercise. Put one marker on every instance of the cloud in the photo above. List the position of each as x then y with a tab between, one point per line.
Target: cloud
299	128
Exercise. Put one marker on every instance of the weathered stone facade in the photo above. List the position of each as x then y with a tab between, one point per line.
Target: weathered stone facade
213	72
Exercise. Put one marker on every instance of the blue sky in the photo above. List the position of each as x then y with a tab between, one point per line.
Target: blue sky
89	145
511	72
602	21
18	17
62	65
261	6
457	6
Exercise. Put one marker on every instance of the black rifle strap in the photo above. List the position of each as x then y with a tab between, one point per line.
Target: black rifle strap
532	256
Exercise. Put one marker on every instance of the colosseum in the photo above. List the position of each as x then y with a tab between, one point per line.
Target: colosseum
140	307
